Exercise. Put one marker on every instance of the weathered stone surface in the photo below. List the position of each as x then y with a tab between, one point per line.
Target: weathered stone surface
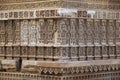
29	66
9	65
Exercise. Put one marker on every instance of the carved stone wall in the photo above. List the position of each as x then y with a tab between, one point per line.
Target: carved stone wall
59	39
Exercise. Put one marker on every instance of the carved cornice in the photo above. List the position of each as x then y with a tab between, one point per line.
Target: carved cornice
60	3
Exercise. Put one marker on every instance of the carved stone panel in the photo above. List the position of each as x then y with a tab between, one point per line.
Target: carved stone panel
24	32
16	51
2	33
2	51
56	52
90	52
112	53
48	52
97	32
74	53
16	38
32	32
118	32
40	32
50	30
118	51
81	32
73	32
9	32
9	51
97	52
89	30
103	30
32	52
82	52
105	52
63	32
111	32
24	51
40	52
65	52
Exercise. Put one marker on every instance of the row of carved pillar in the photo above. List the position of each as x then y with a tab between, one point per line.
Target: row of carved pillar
60	32
61	53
